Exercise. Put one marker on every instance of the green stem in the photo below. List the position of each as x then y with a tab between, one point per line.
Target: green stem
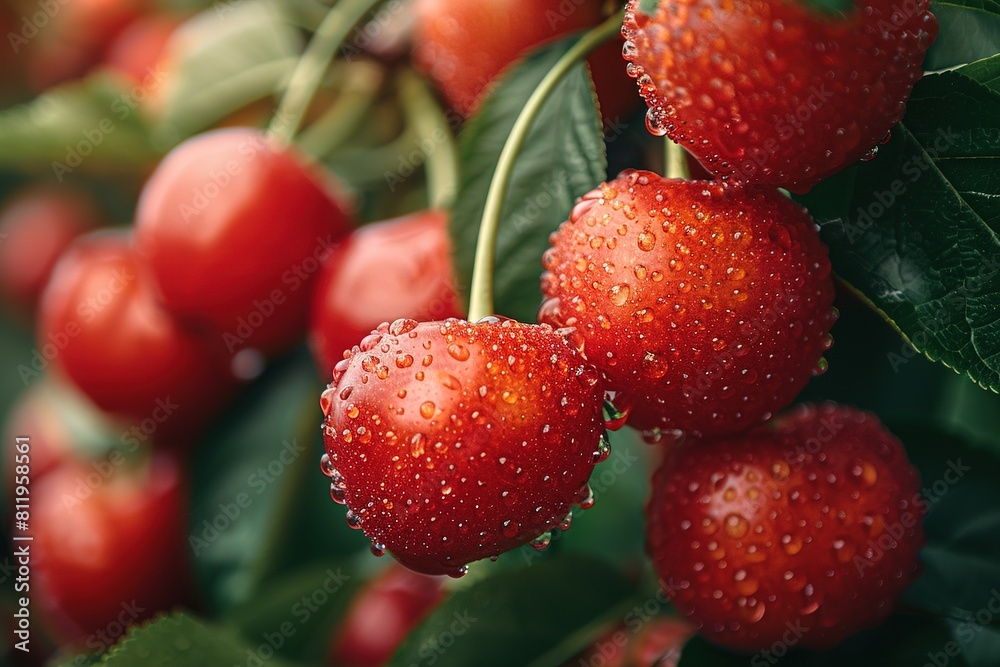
481	290
676	161
312	65
361	86
424	114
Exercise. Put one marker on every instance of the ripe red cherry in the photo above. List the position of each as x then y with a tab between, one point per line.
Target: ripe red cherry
74	37
108	551
453	441
708	307
769	91
136	53
381	616
656	642
234	230
36	227
812	521
463	46
102	327
396	269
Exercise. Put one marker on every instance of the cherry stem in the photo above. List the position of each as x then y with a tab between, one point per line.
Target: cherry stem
362	82
312	65
676	161
425	116
481	290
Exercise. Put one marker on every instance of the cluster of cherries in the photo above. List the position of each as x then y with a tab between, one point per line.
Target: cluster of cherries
700	308
690	310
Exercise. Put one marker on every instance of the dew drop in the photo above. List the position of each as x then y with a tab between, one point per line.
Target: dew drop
417	444
325	403
619	294
460	572
340	369
346	393
338	493
865	472
458	352
402	326
603	449
353	520
843	550
870	155
646	241
736	526
541	542
821	366
629	50
353	411
326	465
792	544
404	360
377	549
586	497
653	123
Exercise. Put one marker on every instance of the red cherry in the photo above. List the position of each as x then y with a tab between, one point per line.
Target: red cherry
234	230
772	92
463	46
708	307
450	441
73	37
108	550
381	616
101	326
136	52
400	268
36	226
812	521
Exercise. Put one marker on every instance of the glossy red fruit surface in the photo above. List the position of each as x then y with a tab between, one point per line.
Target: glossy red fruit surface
464	45
708	307
381	616
234	230
36	227
108	550
136	53
812	522
768	91
454	441
640	642
71	37
100	325
396	269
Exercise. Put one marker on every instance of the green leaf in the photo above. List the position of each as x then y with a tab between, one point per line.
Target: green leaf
980	644
224	58
533	616
968	30
915	230
904	641
303	607
95	125
985	71
179	639
250	475
962	556
562	159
